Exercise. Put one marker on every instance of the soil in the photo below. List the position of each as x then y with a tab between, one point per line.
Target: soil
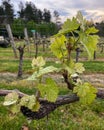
96	79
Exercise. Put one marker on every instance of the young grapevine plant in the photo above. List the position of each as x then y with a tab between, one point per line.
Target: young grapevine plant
74	33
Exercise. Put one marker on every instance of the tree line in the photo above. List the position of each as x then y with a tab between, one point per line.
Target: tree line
28	15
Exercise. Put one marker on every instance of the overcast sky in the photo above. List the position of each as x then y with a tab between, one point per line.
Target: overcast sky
91	9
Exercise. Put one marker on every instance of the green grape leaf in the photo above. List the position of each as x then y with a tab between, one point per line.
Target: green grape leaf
30	102
10	99
86	92
15	108
69	66
36	107
90	43
71	40
73	67
79	68
69	70
58	47
25	100
71	63
69	25
79	16
38	62
91	30
49	91
43	71
81	20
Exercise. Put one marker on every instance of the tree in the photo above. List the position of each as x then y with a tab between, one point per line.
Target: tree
46	16
8	11
18	27
57	20
31	25
52	29
56	15
2	16
29	12
46	29
39	16
21	8
100	27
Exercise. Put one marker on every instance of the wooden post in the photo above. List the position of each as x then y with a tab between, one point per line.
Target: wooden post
44	42
21	52
77	54
36	43
11	39
34	36
36	48
27	39
102	48
94	56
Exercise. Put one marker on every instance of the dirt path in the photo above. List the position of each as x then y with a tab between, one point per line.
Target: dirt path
96	79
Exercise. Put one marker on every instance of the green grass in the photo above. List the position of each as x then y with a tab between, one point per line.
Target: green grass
10	64
94	66
68	117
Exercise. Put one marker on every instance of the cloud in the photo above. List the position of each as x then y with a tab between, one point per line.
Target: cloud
91	9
